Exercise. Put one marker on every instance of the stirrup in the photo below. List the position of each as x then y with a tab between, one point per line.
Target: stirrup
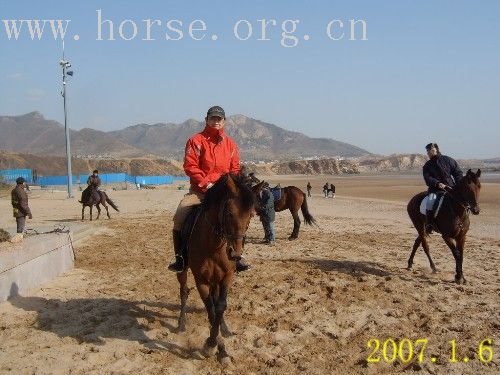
178	265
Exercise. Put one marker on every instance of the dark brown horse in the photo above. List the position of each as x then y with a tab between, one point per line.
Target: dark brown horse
293	199
452	220
90	200
216	241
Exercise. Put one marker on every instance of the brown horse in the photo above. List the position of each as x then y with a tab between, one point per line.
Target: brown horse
293	199
216	241
452	220
88	199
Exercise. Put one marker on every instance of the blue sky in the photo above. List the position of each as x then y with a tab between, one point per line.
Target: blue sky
428	70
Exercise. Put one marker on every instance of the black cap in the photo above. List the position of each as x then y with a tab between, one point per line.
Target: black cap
216	111
432	145
95	171
20	180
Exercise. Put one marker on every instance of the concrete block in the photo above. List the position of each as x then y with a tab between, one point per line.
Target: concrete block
36	259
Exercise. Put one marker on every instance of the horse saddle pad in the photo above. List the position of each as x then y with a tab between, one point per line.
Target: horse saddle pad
436	204
276	193
188	225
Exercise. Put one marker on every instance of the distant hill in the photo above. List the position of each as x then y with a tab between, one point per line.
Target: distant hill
258	140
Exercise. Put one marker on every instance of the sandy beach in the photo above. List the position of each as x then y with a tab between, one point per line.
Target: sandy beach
309	306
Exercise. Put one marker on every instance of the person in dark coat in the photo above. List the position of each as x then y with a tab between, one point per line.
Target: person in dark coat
325	189
93	183
332	189
440	173
267	214
309	188
19	200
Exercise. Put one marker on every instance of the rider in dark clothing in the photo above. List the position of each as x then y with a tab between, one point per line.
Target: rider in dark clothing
93	183
440	173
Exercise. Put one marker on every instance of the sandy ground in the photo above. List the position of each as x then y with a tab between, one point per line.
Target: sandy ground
308	306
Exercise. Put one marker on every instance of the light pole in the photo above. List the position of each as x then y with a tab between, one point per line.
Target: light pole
65	66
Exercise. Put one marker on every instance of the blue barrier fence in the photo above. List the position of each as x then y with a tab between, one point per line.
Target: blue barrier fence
55	180
10	175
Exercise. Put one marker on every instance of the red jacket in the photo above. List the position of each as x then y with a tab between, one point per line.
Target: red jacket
209	155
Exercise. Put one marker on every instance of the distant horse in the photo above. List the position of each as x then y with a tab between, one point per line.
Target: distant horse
216	241
452	220
88	199
293	199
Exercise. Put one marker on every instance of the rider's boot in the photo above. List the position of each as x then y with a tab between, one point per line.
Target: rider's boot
178	265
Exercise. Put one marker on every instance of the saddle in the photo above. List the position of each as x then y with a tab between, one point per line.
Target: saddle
276	191
436	206
187	227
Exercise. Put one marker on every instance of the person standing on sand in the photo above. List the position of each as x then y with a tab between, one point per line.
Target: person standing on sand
20	208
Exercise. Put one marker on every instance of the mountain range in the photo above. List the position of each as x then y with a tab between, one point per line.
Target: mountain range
32	133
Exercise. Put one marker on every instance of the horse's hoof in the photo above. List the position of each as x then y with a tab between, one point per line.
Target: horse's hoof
226	332
209	351
181	328
434	270
226	361
291	238
409	267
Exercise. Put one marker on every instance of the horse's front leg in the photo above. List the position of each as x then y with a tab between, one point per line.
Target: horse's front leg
220	308
184	292
459	276
90	212
83	213
210	347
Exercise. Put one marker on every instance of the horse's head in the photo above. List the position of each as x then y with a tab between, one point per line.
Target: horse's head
234	203
469	188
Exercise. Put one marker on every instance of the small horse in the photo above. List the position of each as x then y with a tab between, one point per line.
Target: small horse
293	199
452	220
216	241
88	199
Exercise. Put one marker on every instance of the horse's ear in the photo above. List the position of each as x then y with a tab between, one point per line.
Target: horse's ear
478	173
469	172
231	185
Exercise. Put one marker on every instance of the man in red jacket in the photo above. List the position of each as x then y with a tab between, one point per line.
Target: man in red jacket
208	155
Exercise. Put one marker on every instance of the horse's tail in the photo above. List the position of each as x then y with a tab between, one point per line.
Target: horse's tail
111	203
308	219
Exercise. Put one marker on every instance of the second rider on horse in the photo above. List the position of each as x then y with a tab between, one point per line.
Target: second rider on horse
93	183
441	173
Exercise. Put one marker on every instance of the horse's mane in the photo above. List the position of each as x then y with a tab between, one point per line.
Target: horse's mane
218	194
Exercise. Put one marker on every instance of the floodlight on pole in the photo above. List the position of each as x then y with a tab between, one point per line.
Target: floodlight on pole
65	65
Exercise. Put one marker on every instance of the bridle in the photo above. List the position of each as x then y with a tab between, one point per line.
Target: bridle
220	230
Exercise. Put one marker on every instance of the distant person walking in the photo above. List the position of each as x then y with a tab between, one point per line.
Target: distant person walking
325	189
20	208
309	187
332	190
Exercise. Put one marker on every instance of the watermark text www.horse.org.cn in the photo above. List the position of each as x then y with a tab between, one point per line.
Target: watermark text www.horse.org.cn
151	29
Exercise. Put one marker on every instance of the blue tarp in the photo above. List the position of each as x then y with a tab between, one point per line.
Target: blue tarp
55	180
10	175
106	178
